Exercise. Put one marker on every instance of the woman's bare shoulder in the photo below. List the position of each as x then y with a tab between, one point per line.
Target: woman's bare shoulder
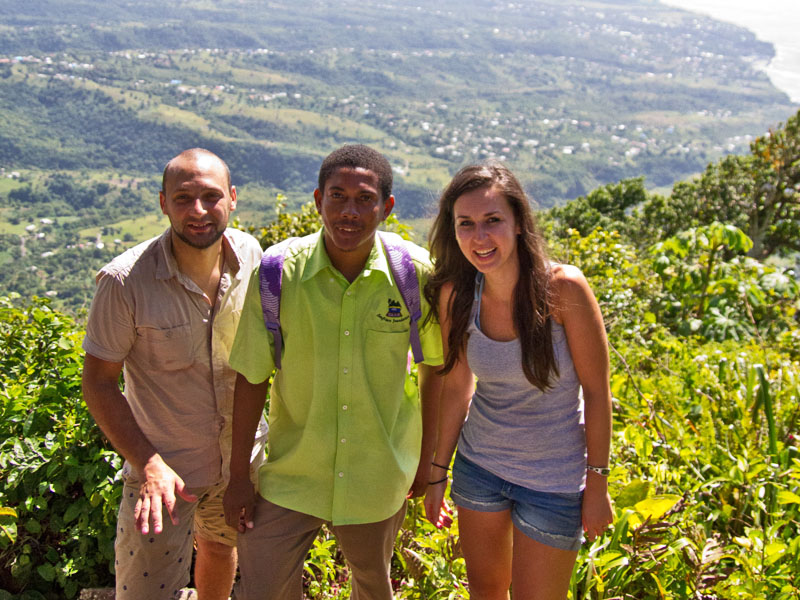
563	277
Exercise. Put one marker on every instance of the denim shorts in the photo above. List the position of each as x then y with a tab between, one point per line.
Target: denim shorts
551	518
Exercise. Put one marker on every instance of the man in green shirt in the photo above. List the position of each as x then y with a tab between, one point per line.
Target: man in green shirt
347	445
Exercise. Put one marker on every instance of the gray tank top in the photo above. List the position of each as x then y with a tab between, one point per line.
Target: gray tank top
514	430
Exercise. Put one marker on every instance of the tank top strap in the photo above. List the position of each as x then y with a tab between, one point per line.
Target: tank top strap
475	316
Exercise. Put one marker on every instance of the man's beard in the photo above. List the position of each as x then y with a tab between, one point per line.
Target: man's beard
203	244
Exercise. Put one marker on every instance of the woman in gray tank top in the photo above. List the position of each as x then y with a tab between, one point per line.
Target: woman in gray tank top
533	434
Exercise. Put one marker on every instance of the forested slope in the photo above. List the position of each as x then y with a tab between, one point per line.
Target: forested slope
96	97
705	377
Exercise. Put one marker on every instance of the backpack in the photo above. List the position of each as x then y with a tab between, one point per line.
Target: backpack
400	263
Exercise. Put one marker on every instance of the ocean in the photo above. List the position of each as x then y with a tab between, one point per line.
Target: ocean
774	21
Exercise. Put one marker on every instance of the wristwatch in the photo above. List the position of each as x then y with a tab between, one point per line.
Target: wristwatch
604	471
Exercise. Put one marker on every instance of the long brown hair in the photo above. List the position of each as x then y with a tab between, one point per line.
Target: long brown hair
532	297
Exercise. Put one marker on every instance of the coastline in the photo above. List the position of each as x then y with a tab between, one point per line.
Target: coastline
773	21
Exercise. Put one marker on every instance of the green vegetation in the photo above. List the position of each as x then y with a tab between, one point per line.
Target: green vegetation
94	99
59	476
593	103
705	378
758	192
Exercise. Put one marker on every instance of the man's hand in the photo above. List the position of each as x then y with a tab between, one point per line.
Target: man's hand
157	491
239	503
436	509
239	500
111	412
420	483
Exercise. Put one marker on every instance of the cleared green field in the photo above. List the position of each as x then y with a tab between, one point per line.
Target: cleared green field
274	91
7	184
172	115
139	228
293	119
9	229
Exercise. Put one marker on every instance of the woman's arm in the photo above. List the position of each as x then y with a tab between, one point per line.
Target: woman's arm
457	389
576	308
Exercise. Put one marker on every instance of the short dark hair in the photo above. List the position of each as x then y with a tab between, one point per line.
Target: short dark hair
358	156
193	153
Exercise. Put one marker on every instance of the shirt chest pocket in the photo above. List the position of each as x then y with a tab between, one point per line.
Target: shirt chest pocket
165	349
384	348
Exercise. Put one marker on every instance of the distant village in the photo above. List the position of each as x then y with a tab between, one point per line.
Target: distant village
527	128
538	131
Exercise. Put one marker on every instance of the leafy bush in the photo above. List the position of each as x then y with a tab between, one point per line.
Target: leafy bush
758	192
706	465
710	287
604	207
57	472
288	224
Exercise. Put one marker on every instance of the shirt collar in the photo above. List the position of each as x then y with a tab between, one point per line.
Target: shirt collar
319	260
167	266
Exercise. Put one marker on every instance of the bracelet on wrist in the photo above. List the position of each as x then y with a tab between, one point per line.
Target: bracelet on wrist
438	481
435	464
604	471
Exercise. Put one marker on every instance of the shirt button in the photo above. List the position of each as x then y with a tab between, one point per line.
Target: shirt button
349	293
347	332
341	474
345	370
344	406
343	440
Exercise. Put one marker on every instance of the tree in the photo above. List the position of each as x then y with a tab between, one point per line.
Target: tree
710	288
759	193
605	207
775	216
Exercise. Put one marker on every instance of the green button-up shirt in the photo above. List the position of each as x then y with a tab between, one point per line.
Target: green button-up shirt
344	437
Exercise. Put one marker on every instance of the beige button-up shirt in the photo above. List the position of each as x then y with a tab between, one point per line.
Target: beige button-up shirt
175	347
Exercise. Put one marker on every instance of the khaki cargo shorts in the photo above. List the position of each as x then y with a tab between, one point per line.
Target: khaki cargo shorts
156	566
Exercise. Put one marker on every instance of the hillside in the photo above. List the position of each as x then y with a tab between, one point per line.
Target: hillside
95	97
594	105
705	377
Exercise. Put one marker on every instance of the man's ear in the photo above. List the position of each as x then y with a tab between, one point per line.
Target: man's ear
233	198
318	200
388	205
162	200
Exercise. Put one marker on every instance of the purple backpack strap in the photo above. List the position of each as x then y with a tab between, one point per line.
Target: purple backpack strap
405	275
270	275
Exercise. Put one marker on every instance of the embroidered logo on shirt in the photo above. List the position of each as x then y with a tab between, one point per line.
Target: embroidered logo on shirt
394	311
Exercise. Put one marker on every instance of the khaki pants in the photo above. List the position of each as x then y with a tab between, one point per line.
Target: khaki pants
272	554
156	566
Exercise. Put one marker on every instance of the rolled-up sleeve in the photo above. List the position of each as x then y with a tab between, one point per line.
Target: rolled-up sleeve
110	330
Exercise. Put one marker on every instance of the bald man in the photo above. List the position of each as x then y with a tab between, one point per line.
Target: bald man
165	313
